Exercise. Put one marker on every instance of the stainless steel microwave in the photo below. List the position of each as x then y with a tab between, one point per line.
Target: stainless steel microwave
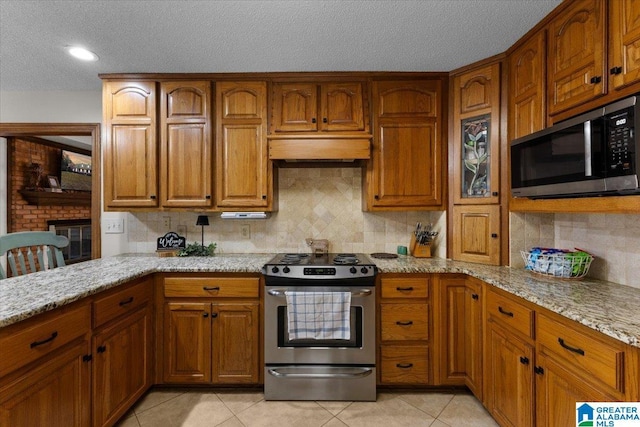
593	154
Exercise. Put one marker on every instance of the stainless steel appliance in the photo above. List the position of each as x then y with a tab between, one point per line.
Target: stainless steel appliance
593	154
320	369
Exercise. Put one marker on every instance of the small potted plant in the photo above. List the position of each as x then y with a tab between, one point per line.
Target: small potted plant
197	249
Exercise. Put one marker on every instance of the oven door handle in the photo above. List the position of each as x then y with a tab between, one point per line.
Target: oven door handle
358	293
357	373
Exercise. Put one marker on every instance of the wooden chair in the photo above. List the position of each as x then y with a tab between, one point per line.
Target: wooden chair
16	244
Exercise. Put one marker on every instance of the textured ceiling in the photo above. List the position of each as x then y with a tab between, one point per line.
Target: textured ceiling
251	36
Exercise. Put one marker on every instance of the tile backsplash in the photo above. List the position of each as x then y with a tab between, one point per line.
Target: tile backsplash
613	240
320	203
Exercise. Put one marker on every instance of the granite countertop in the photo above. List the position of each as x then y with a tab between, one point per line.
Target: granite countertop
607	307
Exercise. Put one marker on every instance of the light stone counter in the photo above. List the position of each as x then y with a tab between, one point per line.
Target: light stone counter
609	308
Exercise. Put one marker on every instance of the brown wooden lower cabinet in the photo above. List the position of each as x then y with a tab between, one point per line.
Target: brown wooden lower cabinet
509	377
459	308
56	392
407	365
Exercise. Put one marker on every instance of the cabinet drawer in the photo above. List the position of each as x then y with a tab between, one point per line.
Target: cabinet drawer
405	287
238	287
404	322
121	302
41	335
597	359
404	364
510	313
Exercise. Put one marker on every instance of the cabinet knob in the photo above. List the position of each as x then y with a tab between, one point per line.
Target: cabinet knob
324	120
87	358
153	196
208	196
475	296
538	370
615	71
596	79
376	197
524	360
101	349
264	197
313	120
494	235
205	315
214	315
494	194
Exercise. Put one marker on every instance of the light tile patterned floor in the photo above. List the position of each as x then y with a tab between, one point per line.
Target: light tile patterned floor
198	408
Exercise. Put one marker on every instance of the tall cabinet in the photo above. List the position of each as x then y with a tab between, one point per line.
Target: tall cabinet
475	165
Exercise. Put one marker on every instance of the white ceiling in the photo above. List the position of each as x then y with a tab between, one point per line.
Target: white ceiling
251	36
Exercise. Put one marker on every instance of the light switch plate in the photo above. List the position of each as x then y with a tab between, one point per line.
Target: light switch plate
114	226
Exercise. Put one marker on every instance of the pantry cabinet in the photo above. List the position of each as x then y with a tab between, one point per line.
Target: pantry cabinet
211	330
130	147
404	330
186	149
459	304
406	166
244	176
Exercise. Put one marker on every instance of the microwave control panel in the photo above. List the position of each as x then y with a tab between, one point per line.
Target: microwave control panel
620	134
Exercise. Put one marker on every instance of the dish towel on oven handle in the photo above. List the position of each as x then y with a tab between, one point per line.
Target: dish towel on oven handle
319	315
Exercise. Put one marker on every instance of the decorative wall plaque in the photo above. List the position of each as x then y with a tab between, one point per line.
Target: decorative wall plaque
171	241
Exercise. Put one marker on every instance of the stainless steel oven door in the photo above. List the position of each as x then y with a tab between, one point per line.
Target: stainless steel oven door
359	350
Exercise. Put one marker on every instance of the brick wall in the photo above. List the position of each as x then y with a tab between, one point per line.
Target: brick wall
25	217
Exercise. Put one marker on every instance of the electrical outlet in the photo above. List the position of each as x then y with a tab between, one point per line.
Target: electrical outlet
245	231
166	222
113	225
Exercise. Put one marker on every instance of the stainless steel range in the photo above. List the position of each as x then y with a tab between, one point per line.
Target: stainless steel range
319	318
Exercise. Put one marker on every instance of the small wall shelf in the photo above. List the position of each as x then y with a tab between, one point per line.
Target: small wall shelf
46	198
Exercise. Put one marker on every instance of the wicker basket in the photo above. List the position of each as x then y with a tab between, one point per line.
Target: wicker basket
561	265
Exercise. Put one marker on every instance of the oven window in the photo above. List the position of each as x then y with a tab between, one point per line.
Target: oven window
356	332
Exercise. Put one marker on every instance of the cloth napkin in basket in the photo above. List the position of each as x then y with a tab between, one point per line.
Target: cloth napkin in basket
319	315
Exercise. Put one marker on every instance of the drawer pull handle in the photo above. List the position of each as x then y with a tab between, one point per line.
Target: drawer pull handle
211	288
410	288
404	365
475	296
573	349
539	370
101	349
214	315
53	336
524	360
503	311
407	323
127	301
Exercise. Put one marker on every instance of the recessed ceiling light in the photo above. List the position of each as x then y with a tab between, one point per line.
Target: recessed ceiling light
82	53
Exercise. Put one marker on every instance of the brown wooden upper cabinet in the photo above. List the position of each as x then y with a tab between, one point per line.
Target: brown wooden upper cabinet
405	169
476	136
624	37
186	149
244	176
527	106
130	153
576	66
318	107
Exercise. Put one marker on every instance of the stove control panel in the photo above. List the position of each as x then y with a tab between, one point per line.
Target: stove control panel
319	272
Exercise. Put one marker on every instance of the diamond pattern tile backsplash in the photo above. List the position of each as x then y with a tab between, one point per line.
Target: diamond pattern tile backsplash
317	203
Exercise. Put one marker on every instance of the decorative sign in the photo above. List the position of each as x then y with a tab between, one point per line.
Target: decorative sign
171	241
